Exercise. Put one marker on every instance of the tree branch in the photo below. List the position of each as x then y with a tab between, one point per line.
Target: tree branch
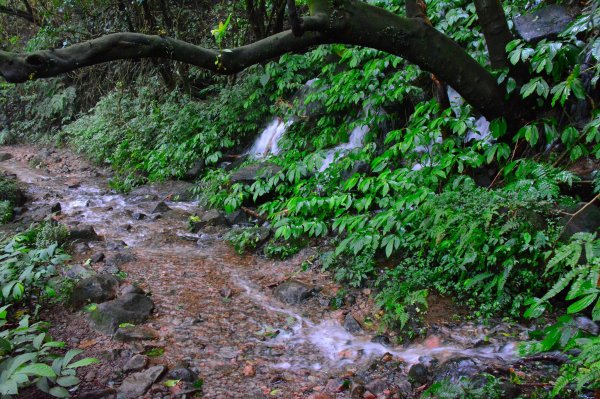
19	13
495	30
360	24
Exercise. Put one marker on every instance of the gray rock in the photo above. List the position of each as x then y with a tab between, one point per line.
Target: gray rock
351	325
454	370
161	207
138	216
249	174
293	292
419	373
195	171
544	23
237	217
213	217
5	156
120	259
77	272
135	333
131	289
116	245
97	257
94	289
377	386
587	325
183	374
136	385
136	363
129	308
81	248
381	339
84	232
97	394
56	208
586	221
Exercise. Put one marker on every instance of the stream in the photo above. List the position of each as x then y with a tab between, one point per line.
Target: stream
215	310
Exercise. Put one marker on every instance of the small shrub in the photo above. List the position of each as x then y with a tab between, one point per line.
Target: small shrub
6	212
51	233
247	238
283	250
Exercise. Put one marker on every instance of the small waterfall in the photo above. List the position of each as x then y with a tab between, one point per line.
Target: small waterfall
356	141
267	142
482	125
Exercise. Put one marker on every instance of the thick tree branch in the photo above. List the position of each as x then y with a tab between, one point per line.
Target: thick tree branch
29	17
495	29
357	23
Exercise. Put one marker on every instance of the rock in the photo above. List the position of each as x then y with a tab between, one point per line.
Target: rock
73	183
455	369
381	339
545	23
97	394
5	156
586	221
129	308
97	257
136	385
138	216
419	373
293	292
195	171
135	333
116	245
351	325
249	174
509	390
131	289
183	374
84	232
212	217
587	325
369	395
120	259
77	272
377	386
81	248
237	217
136	363
94	289
161	207
56	208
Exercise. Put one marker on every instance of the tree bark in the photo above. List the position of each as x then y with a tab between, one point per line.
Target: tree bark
495	30
353	23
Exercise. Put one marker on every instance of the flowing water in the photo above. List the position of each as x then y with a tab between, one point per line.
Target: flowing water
215	310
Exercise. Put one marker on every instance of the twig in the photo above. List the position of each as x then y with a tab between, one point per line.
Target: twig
581	210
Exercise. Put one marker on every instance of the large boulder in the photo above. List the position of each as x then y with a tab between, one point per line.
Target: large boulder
249	174
293	292
456	369
129	308
545	23
84	232
94	289
136	385
351	325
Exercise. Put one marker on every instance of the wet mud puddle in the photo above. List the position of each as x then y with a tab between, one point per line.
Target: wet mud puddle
216	311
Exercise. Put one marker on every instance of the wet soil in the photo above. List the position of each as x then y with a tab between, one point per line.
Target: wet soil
215	310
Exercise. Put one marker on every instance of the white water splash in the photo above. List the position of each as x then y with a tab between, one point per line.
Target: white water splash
338	347
267	142
356	140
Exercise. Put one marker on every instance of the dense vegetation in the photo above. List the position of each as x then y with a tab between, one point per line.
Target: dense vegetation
423	206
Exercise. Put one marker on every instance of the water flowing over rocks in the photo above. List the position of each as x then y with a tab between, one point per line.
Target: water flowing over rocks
244	325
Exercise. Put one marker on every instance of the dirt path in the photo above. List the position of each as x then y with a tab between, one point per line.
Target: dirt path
215	312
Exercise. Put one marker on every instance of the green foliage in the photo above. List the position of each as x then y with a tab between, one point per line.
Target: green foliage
51	233
6	212
244	239
485	386
283	250
9	190
27	353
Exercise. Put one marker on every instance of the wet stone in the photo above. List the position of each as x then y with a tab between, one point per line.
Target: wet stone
97	257
183	374
129	308
116	245
293	292
138	216
120	259
136	385
382	340
81	248
94	289
56	208
77	272
351	325
135	333
161	207
419	373
84	232
5	156
455	369
587	325
544	23
136	363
